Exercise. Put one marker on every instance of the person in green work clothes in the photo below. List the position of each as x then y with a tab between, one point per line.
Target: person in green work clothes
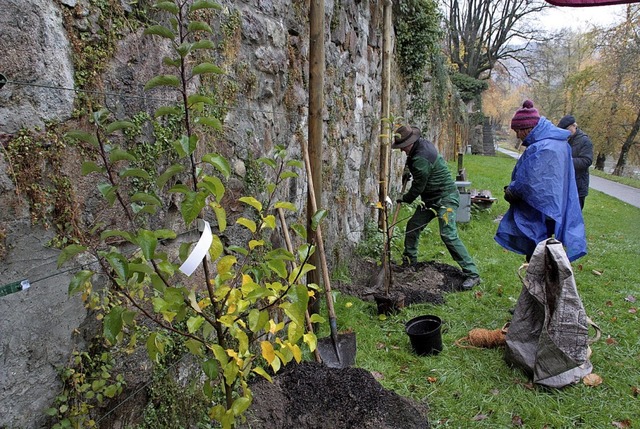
432	182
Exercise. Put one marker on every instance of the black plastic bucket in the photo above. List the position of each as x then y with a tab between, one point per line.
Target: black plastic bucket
425	334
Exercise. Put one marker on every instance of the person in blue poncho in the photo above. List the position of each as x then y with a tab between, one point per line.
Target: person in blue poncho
542	194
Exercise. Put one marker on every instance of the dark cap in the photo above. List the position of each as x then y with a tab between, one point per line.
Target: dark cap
566	121
405	135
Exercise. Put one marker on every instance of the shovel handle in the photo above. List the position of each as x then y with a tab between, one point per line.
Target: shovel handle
320	244
287	239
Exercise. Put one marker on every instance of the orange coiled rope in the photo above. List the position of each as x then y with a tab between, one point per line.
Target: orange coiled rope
480	338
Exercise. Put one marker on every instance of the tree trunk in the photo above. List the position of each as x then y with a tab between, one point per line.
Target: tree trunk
600	159
626	147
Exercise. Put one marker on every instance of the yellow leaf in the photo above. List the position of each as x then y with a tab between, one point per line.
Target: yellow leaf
262	372
267	351
225	263
249	224
311	340
255	243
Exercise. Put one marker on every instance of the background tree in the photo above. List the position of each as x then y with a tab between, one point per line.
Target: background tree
479	34
620	67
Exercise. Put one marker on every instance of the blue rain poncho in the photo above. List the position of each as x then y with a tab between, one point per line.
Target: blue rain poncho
544	184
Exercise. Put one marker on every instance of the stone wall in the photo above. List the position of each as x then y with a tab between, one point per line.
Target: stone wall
264	51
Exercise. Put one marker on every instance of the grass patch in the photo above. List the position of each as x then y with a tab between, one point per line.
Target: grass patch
475	388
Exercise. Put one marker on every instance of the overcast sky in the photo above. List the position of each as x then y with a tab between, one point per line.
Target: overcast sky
582	17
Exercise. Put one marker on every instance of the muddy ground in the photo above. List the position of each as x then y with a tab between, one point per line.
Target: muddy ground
314	396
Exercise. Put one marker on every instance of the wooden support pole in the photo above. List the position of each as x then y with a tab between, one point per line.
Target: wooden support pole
385	126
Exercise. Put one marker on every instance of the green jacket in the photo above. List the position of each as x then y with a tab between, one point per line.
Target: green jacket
431	176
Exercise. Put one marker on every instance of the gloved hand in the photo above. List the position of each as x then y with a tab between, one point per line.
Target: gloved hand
509	196
406	176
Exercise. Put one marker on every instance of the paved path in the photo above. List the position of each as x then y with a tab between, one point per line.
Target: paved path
625	193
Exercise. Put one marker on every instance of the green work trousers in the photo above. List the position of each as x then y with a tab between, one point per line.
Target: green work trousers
446	211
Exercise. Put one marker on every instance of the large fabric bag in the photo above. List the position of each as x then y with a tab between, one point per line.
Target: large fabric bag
549	333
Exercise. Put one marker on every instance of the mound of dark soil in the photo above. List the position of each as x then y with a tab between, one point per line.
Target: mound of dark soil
428	282
313	396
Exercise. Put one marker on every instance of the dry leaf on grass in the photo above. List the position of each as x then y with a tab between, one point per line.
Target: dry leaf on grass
630	298
596	272
377	375
592	380
624	424
516	421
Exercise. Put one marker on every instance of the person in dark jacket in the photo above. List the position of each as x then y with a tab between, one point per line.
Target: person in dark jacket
542	194
433	183
582	154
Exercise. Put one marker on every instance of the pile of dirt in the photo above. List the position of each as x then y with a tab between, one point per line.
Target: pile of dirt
311	395
427	282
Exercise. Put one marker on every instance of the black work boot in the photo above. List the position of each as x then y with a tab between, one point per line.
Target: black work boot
470	282
407	264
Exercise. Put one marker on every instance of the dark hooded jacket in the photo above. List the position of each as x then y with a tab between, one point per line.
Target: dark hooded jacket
582	154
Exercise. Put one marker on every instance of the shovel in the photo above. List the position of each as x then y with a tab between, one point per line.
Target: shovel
339	350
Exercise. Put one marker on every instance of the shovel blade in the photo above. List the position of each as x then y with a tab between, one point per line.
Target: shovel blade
338	355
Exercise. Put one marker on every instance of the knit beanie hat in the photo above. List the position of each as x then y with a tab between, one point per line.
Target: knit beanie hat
525	118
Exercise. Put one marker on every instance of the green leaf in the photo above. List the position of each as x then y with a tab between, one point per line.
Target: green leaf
219	162
214	186
83	136
119	264
268	161
221	216
194	323
199	26
238	249
168	174
142	197
141	268
160	30
203	44
210	121
198	98
171	62
204	4
163	80
285	205
288	174
295	163
118	125
180	188
210	368
257	319
120	155
240	405
167	110
252	202
206	68
147	241
186	145
278	266
299	297
135	172
300	230
69	252
192	205
108	192
112	324
184	49
280	253
194	346
168	6
79	280
317	218
117	233
90	167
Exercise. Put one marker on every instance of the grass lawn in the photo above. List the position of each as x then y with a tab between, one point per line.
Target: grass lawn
475	387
